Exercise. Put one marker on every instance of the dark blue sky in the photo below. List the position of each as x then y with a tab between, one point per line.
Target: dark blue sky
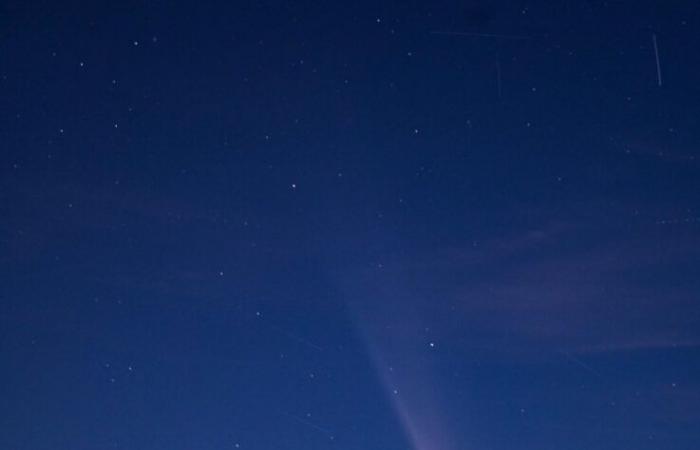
335	225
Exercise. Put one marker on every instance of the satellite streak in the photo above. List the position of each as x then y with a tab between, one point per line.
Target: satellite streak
582	364
658	63
308	423
482	35
498	79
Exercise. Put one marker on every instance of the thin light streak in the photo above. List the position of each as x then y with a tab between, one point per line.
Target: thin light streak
481	35
309	424
498	79
658	63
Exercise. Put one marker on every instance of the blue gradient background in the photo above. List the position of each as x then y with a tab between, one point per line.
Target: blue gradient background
320	225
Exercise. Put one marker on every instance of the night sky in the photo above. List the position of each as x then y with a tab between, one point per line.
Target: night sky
358	225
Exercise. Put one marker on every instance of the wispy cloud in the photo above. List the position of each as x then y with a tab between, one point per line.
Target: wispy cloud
560	287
